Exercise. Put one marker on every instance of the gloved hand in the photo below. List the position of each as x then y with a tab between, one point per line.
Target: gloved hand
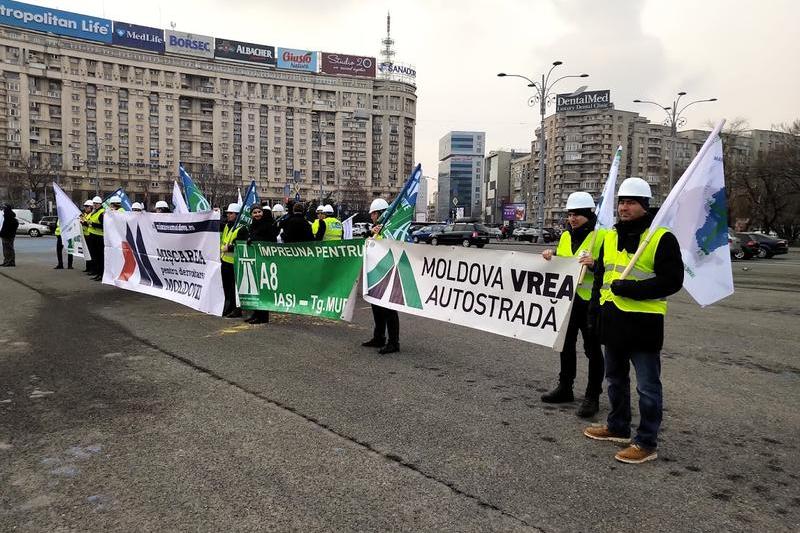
623	287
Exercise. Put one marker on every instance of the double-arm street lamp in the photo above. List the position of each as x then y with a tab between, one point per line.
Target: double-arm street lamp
543	96
674	120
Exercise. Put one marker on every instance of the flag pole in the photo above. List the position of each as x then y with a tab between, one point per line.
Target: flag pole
675	192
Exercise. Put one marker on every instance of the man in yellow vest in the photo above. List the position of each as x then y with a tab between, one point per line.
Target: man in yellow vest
319	224
230	234
60	250
94	239
332	230
631	318
88	208
579	239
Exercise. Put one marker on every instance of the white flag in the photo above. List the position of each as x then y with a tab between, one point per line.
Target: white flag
178	203
347	228
240	202
696	211
68	215
606	205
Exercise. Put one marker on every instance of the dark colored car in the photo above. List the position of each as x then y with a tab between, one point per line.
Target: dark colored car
50	222
749	247
424	234
769	246
466	234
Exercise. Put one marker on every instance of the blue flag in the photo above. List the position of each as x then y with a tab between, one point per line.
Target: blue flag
398	218
126	202
194	197
250	200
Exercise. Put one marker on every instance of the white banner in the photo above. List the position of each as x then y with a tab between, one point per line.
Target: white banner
169	255
510	293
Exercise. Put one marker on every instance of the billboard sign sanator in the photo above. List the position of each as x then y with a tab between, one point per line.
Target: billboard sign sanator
30	17
241	51
141	37
585	101
190	44
292	59
346	65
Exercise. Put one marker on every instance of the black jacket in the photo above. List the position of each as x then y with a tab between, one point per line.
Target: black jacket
297	229
637	331
263	230
10	224
578	235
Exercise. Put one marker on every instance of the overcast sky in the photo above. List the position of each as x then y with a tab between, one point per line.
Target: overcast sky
744	52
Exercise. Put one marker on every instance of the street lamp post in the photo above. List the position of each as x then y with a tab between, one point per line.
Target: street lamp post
674	120
542	96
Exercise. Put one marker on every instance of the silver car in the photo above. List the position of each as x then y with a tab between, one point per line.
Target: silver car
31	228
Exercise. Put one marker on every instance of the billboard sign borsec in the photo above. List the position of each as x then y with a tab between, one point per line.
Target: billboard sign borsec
54	21
297	59
190	44
584	101
240	51
342	64
141	37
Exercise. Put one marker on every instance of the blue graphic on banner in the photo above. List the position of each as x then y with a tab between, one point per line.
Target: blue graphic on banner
141	37
297	59
54	21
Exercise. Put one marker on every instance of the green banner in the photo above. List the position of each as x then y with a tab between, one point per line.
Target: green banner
313	278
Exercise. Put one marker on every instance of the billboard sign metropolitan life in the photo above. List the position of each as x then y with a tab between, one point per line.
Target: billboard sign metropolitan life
190	44
54	21
584	101
292	59
141	37
249	52
345	65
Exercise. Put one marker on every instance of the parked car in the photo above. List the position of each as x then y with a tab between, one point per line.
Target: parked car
31	228
494	232
50	222
749	246
531	234
465	234
769	246
424	234
361	229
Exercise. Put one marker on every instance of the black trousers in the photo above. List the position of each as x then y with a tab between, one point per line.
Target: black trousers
60	253
386	320
97	251
228	287
591	347
9	257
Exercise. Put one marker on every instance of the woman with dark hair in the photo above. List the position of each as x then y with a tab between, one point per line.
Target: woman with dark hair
261	229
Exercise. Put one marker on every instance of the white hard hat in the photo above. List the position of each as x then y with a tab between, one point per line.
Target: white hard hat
266	208
378	204
136	206
162	204
278	208
328	209
88	203
233	208
97	200
635	187
580	200
115	200
321	209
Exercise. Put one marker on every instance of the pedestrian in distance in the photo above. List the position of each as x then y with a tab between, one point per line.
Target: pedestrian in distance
580	238
94	239
296	228
262	229
228	237
136	207
279	214
386	320
631	318
7	234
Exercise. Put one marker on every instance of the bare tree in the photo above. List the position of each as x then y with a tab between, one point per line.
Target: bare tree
25	178
218	188
354	197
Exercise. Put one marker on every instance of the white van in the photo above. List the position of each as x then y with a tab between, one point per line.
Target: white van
24	214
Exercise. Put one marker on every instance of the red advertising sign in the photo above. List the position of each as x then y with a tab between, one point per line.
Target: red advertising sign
345	65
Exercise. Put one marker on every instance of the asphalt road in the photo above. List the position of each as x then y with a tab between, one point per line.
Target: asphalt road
122	412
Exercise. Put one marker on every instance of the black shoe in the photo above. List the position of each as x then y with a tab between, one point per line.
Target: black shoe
561	394
258	321
97	278
236	313
374	343
389	348
69	268
589	407
11	264
58	267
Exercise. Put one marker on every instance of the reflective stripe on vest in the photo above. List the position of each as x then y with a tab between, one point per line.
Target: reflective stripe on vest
565	250
228	236
95	226
615	262
333	229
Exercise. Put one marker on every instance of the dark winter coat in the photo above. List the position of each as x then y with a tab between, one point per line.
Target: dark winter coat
10	224
297	229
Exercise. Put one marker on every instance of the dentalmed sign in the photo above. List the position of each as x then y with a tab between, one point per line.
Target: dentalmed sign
141	37
297	59
189	44
54	21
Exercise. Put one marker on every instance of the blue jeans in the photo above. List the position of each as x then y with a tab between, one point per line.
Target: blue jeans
648	384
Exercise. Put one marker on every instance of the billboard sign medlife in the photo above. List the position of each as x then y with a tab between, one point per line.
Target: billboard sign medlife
141	37
583	102
342	64
240	51
37	18
292	59
191	44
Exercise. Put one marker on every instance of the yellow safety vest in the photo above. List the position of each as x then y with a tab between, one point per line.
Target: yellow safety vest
565	250
333	229
315	227
228	236
85	229
615	263
95	226
58	229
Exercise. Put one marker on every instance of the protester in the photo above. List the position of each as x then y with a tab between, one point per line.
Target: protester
88	207
230	234
386	320
7	234
333	230
60	250
578	239
279	214
296	228
94	239
262	229
136	207
162	207
631	318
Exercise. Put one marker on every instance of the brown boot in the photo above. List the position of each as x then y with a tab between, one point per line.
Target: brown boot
603	433
635	454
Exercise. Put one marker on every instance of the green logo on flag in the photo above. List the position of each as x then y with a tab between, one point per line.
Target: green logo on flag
404	286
